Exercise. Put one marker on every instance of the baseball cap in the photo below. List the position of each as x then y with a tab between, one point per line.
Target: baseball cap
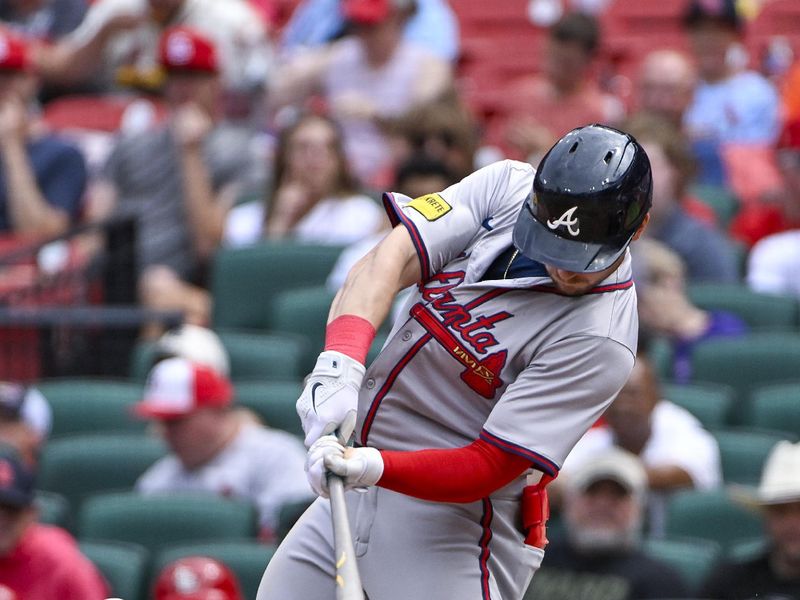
177	387
616	465
16	481
197	344
371	12
26	405
13	52
780	479
721	11
197	578
186	50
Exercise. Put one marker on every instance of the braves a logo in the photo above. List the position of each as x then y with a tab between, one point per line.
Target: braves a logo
568	219
458	328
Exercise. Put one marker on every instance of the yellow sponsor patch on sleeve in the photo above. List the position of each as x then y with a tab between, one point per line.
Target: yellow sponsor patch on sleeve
431	206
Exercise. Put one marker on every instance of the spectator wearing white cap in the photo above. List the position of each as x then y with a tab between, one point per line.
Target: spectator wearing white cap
601	557
25	420
194	343
775	573
214	450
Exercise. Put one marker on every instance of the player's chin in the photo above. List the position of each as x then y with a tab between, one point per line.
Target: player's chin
573	289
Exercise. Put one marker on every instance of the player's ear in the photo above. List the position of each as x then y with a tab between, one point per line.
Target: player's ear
642	227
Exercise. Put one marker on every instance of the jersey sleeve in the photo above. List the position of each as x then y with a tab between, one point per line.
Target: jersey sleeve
557	398
443	225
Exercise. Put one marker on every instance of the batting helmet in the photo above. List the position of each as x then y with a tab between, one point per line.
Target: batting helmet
591	193
197	578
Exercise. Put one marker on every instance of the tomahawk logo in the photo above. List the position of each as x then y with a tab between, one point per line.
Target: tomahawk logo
569	220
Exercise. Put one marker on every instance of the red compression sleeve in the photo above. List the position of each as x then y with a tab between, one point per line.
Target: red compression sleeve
459	475
350	335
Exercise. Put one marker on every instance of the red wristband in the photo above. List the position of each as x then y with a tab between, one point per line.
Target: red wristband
350	335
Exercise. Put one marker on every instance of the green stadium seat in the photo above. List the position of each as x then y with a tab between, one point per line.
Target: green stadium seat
288	515
743	453
304	312
273	402
724	204
53	508
759	311
245	281
747	549
711	515
81	465
91	405
710	403
692	558
745	363
124	566
246	559
168	519
777	407
660	354
254	356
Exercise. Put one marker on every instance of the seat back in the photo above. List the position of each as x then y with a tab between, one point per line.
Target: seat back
743	453
692	558
124	566
759	311
709	403
777	407
273	402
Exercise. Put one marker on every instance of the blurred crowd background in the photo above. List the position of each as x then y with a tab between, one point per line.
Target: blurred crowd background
184	184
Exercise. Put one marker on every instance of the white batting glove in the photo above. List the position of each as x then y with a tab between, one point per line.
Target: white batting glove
330	399
316	471
358	467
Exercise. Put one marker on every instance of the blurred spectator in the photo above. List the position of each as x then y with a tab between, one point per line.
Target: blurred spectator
118	42
42	177
444	130
731	107
775	572
791	93
366	78
675	449
667	80
197	578
194	343
601	557
25	420
545	106
43	19
665	308
314	197
179	179
773	265
781	210
706	252
213	449
434	26
38	562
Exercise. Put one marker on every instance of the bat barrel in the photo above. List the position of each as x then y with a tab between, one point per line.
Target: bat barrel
348	581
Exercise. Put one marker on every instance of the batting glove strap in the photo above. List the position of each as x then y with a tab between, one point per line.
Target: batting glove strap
329	401
359	467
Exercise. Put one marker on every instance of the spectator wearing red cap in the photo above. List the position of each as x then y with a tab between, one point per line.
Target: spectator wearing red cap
197	578
38	562
213	449
180	178
365	78
118	41
42	177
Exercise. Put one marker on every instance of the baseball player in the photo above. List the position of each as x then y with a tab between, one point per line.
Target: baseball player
520	332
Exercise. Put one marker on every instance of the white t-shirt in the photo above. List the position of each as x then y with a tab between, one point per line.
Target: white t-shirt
676	439
262	465
335	221
774	264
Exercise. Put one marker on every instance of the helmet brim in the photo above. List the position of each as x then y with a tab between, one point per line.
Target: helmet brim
539	243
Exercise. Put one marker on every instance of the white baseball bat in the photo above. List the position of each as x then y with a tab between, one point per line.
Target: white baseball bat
348	581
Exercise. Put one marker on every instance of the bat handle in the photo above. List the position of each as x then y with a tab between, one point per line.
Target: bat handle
348	580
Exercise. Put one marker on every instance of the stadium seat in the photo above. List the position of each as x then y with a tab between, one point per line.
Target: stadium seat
245	281
81	465
304	312
693	558
746	363
124	565
747	549
166	519
743	453
759	311
273	402
253	355
91	405
711	515
246	559
288	515
724	204
777	407
710	403
53	508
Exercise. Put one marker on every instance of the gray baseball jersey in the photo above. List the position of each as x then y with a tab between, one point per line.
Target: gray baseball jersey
510	361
